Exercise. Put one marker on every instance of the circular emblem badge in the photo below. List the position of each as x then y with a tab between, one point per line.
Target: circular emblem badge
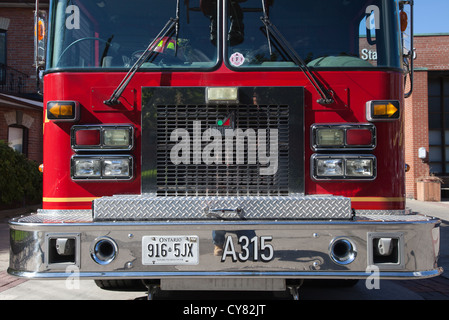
237	59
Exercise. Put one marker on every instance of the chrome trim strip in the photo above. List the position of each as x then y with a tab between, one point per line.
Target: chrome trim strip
36	220
299	274
54	218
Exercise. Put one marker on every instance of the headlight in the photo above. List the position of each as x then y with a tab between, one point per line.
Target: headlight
116	167
329	167
343	167
359	168
102	167
86	168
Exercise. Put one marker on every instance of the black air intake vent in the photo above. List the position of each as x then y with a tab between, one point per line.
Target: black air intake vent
190	148
226	175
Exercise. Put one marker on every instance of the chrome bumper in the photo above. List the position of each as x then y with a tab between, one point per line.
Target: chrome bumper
301	248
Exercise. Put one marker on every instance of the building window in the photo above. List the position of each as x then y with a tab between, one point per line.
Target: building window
438	90
2	57
17	138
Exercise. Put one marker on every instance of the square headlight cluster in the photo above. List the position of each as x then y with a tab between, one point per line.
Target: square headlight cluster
102	167
331	140
86	139
347	167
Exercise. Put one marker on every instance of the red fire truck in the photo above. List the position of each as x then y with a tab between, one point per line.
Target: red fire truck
224	144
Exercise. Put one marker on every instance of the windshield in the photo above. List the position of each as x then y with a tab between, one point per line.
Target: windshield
91	34
114	33
324	33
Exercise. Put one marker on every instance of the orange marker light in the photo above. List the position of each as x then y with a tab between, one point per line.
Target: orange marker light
381	110
62	110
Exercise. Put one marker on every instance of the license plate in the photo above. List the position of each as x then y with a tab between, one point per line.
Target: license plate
170	250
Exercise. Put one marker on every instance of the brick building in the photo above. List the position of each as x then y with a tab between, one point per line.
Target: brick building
20	104
21	125
427	113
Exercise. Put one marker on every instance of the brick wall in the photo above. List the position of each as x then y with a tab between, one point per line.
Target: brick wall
432	52
20	56
432	55
35	145
20	43
416	132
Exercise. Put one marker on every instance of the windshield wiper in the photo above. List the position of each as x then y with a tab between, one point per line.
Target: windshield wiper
170	28
325	94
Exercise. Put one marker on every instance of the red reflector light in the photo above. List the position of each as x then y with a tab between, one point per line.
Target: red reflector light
359	137
87	137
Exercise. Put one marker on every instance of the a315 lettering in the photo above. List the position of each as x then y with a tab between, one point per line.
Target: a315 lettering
257	248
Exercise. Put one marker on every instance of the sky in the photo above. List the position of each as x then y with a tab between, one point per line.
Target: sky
431	16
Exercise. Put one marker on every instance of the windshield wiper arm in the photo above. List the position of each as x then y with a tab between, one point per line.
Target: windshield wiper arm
265	17
325	94
172	26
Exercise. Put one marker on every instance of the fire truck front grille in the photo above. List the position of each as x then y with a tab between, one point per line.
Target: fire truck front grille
198	169
252	148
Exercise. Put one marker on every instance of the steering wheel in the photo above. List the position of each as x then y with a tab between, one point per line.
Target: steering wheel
76	42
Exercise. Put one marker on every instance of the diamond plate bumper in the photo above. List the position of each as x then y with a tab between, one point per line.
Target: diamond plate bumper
151	207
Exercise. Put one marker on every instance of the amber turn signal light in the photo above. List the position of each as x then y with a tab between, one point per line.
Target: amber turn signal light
63	110
382	110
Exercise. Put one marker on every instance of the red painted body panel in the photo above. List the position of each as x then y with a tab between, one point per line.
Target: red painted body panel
352	90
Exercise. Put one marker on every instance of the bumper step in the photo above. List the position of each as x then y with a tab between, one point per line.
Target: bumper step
151	207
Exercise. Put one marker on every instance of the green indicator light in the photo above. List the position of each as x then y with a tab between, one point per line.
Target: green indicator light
220	122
